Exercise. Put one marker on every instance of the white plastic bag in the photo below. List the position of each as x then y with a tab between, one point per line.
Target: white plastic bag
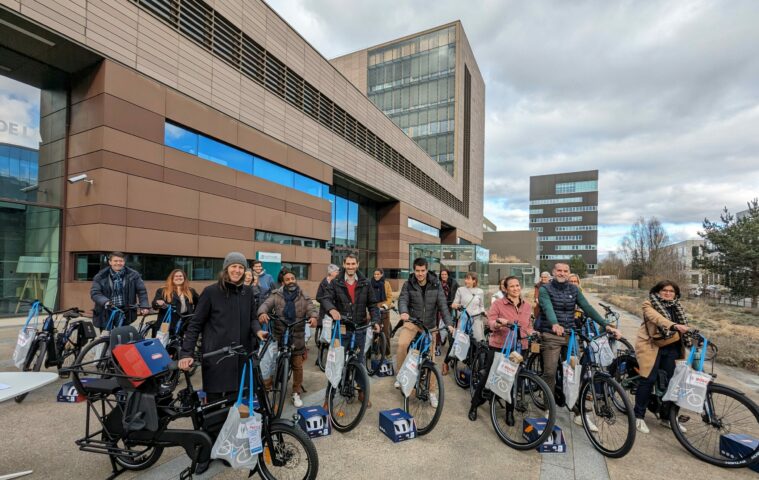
307	332
602	350
478	328
460	348
694	384
268	361
571	386
25	337
677	382
503	371
335	358
326	335
369	340
234	443
409	371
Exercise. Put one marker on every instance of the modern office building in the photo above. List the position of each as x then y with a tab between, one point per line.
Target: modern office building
488	226
564	213
518	246
187	129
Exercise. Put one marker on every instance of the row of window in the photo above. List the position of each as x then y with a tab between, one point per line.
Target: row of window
414	69
282	239
536	211
584	208
552	201
423	227
577	187
428	94
537	229
240	160
575	247
422	43
559	238
555	219
158	267
554	257
577	228
433	128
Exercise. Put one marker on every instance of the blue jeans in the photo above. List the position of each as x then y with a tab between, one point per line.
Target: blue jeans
359	342
665	360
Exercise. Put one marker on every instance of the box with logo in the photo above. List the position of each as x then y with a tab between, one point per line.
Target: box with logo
532	428
142	359
737	446
314	421
69	394
383	368
397	425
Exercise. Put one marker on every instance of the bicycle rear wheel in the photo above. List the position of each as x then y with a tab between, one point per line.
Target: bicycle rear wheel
725	411
418	403
34	362
376	354
616	429
143	458
461	373
625	371
508	419
291	454
348	403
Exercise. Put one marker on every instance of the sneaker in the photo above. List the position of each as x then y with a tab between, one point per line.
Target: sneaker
397	385
297	401
433	400
591	426
665	424
641	426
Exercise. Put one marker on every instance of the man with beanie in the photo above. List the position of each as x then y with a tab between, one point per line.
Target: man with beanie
290	304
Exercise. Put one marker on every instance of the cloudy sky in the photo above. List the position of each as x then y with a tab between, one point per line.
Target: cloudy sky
661	97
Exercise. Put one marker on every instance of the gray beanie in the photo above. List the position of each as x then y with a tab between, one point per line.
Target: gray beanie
235	257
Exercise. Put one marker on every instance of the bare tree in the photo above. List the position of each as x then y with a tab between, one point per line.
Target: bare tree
646	252
612	265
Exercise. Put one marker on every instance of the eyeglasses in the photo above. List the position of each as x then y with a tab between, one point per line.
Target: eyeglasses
666	291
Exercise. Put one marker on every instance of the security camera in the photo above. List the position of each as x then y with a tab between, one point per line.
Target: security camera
82	177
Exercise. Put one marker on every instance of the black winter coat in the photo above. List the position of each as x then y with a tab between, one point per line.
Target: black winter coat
224	317
176	307
320	292
336	297
424	307
102	290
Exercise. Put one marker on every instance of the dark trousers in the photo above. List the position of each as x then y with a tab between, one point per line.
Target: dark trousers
478	397
665	360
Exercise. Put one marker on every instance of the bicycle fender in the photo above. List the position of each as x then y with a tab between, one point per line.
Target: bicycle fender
283	421
733	390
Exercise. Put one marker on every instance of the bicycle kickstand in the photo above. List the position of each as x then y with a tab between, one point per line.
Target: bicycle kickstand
115	469
186	474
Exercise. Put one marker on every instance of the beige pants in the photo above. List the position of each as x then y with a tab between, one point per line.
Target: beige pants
405	337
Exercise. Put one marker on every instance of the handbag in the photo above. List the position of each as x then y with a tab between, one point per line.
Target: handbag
572	374
664	340
335	358
240	437
25	337
409	371
163	332
503	371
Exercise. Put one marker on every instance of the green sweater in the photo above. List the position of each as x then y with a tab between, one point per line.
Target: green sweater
582	302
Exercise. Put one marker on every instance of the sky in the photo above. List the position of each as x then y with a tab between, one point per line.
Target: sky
661	97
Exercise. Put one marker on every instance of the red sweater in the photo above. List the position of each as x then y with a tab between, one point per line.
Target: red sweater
504	309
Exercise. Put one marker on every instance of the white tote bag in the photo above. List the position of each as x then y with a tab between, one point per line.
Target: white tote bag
335	358
369	340
693	392
326	335
25	337
409	371
503	371
602	350
571	386
237	435
677	382
460	347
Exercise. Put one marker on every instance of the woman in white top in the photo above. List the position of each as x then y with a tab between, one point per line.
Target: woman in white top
472	298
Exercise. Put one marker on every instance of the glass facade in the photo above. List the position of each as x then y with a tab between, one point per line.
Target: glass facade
354	228
282	239
413	82
577	187
223	154
459	259
32	126
151	267
423	227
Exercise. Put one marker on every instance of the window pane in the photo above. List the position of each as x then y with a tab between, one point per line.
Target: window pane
272	172
222	154
352	223
341	221
308	185
181	139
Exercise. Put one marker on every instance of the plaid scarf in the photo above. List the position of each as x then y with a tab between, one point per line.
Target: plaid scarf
663	307
117	294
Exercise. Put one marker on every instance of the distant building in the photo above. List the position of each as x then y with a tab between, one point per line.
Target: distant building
488	226
688	251
564	214
741	214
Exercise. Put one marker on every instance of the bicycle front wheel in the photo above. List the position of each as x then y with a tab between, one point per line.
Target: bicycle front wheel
531	397
614	432
291	454
348	403
321	356
420	403
725	412
279	387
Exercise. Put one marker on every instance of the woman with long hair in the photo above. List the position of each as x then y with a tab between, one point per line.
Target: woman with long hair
383	293
176	293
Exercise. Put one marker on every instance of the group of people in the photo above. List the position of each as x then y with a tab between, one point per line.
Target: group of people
237	309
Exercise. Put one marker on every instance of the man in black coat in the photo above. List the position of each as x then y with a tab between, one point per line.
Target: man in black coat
117	286
226	314
350	294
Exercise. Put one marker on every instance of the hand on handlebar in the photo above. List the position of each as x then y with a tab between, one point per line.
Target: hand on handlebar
405	317
376	328
680	328
451	330
334	314
144	311
312	322
263	318
186	363
262	335
160	303
617	333
557	329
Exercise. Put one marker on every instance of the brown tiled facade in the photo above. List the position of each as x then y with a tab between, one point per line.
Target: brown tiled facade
148	198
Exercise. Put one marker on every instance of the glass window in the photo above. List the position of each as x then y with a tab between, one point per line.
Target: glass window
352	223
299	269
222	154
283	239
341	221
181	139
577	187
272	172
423	227
307	185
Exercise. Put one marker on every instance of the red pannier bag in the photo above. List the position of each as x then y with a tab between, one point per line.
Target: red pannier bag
142	359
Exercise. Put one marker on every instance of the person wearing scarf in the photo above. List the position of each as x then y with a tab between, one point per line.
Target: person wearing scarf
383	293
658	345
290	304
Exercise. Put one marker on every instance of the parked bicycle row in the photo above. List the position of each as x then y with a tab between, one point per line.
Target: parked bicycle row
524	366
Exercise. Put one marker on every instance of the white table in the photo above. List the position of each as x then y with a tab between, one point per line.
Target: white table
20	383
24	382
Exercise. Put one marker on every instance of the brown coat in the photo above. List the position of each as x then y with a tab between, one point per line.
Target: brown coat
304	308
645	350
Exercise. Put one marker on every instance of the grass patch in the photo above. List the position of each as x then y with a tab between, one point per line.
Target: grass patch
735	330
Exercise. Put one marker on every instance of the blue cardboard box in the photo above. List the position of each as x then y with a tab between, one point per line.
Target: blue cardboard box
397	425
314	421
69	394
383	368
737	445
532	428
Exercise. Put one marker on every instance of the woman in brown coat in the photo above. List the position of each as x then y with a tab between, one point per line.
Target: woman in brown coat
290	304
658	344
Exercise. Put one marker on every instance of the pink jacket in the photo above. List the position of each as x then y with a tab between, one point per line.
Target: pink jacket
503	308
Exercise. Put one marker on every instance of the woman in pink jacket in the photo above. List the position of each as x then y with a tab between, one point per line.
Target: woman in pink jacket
503	313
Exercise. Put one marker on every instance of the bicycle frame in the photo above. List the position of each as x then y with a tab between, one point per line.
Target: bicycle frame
351	353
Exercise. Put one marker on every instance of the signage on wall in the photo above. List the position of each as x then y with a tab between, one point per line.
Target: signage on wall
271	257
16	133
